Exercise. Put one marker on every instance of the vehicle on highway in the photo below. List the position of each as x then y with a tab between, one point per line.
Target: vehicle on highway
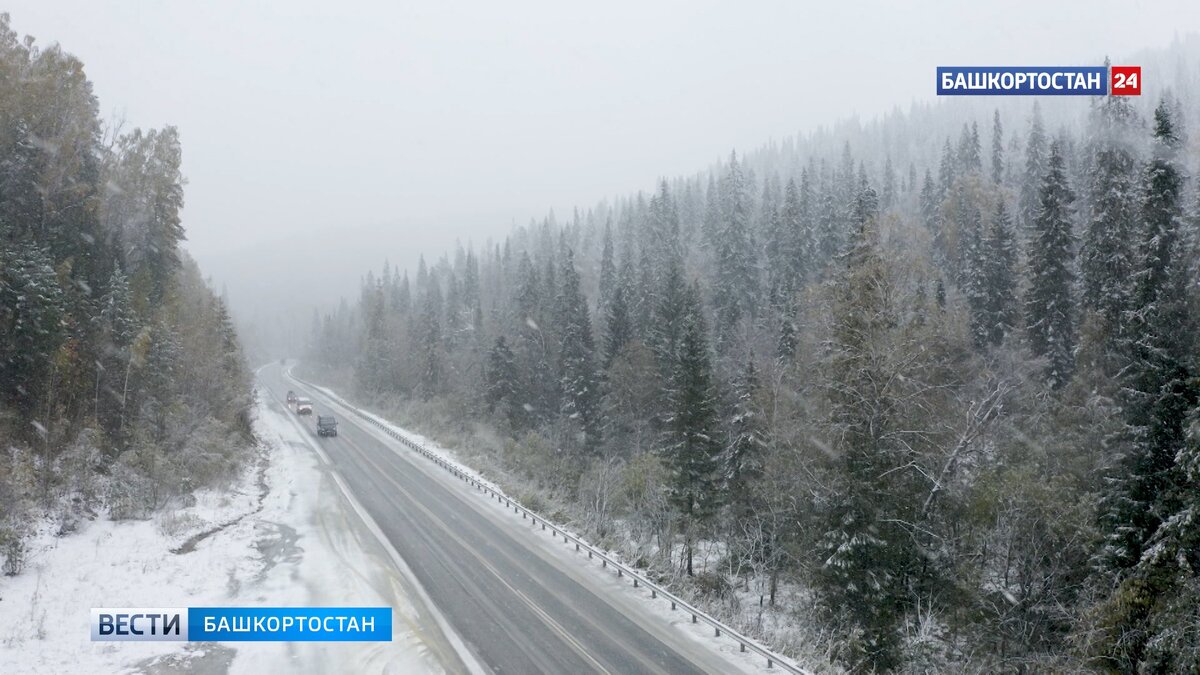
291	397
326	425
303	406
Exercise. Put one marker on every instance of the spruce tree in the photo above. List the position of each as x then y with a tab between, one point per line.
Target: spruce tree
997	149
974	274
1157	343
888	198
794	249
691	447
503	384
578	379
1148	515
866	555
744	458
735	287
929	203
1049	303
1106	251
969	153
999	261
618	331
608	271
947	171
1035	170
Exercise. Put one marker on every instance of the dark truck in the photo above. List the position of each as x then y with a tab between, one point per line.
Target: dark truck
326	425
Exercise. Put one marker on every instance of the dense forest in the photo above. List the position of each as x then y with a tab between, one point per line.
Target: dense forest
122	384
930	388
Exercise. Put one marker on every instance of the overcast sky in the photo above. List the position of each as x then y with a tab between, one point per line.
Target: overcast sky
398	128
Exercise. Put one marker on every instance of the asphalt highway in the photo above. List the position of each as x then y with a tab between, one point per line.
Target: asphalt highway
517	608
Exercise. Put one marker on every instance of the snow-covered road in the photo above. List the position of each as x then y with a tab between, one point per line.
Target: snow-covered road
520	606
291	539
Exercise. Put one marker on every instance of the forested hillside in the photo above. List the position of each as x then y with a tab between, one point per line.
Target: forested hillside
122	385
938	379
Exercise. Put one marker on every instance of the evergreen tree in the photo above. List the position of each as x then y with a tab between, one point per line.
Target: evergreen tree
997	149
712	213
735	286
947	171
745	452
1106	251
866	203
999	261
1049	311
888	198
608	271
775	239
866	555
929	203
969	152
429	339
974	274
1148	517
793	245
1035	170
618	331
577	371
785	347
1158	341
33	315
503	381
808	244
691	447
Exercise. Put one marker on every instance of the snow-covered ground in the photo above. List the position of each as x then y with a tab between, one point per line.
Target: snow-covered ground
289	538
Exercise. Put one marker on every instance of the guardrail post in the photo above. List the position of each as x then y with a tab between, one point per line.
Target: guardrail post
620	573
589	553
672	604
770	663
718	632
693	618
743	646
653	593
635	583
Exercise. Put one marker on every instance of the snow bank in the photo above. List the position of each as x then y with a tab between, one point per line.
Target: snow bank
283	536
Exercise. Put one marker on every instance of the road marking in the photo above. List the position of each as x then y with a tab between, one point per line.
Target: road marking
473	664
541	614
656	633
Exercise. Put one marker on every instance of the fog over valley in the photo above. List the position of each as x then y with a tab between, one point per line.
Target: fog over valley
325	139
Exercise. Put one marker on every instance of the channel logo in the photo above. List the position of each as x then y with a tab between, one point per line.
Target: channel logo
1039	81
140	624
241	624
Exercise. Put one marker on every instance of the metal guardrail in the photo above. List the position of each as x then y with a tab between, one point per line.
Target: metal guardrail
639	580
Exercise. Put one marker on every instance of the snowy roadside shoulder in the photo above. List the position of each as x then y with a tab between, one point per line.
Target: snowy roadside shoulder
175	559
281	535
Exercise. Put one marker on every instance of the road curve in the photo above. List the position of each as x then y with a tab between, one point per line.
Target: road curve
518	609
